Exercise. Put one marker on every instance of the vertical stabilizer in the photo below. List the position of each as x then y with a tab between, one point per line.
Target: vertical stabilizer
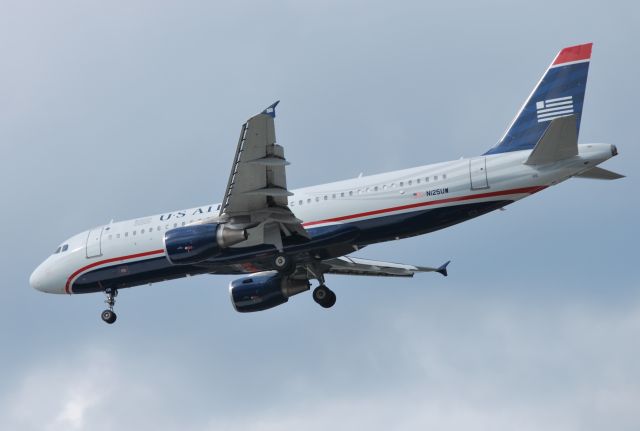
560	92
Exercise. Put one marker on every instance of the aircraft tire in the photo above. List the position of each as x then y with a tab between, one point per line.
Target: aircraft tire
108	316
284	264
324	296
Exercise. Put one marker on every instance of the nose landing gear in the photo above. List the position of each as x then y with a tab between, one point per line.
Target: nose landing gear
109	316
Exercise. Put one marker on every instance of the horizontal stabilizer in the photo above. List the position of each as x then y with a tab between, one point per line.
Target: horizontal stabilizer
348	265
559	142
597	173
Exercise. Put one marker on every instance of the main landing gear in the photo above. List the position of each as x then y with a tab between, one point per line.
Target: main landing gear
324	296
109	316
321	294
284	264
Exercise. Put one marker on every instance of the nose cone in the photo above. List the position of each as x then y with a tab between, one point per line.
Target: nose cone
36	280
43	280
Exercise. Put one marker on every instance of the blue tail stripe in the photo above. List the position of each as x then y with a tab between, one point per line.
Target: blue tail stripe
560	81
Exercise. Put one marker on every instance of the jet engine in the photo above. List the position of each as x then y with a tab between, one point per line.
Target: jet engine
197	243
264	290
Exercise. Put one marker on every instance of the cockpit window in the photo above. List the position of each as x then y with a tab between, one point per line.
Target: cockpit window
57	250
65	247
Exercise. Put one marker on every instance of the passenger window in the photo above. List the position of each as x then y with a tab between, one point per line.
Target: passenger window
426	180
292	203
333	196
158	228
325	197
342	194
375	188
435	178
65	247
444	176
110	236
175	225
384	187
350	192
141	231
409	182
317	198
309	200
57	250
117	235
401	183
134	232
418	181
300	202
126	234
183	223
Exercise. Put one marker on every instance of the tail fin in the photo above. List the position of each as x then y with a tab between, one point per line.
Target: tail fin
560	92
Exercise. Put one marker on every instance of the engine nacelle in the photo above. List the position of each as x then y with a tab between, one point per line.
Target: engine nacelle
264	290
197	243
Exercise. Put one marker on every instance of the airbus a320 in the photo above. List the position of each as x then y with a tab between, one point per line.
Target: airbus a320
279	239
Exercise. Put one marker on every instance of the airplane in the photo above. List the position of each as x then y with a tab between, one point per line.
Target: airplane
280	240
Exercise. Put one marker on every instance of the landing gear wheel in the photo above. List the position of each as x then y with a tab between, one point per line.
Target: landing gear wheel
324	296
109	316
284	264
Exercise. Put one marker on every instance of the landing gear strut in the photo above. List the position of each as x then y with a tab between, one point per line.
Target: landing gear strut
324	296
109	316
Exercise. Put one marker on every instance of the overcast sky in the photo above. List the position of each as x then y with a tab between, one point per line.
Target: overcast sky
112	110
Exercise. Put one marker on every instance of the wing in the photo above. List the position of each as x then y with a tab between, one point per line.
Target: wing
256	197
347	265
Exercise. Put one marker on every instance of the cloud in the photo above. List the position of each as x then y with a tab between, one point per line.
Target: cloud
494	364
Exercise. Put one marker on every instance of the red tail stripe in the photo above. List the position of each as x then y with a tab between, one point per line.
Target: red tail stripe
574	53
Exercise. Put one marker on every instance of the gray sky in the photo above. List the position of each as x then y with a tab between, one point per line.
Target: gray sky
125	108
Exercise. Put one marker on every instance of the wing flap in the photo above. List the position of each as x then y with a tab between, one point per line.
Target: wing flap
256	196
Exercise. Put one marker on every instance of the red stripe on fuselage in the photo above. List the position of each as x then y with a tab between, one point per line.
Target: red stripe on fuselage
522	190
101	262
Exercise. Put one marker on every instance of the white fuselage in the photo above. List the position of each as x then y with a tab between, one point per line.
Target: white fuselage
501	176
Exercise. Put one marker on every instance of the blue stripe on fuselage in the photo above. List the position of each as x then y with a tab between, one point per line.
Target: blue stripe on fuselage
327	241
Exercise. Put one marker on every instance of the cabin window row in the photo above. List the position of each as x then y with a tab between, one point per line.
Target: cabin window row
148	231
384	187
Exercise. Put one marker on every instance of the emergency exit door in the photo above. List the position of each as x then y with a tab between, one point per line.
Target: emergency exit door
478	173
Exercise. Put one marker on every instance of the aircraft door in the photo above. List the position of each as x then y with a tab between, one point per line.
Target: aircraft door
94	240
478	173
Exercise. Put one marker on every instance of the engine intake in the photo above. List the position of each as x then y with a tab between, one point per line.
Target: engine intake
197	243
264	290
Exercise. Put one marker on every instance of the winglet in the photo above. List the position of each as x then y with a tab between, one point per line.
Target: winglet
271	109
443	268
